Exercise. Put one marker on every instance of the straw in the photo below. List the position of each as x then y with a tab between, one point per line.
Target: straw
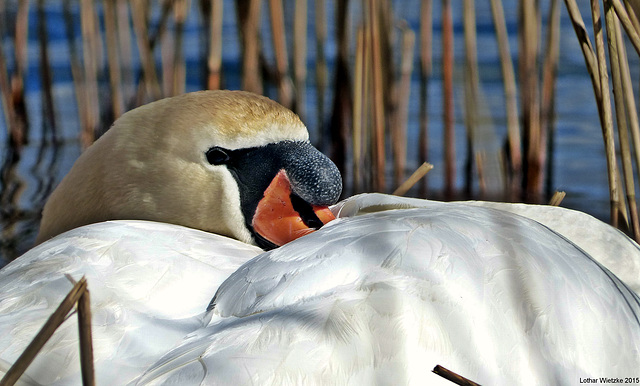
378	99
249	21
54	321
113	57
471	91
615	43
413	179
547	105
358	108
402	109
557	198
606	117
214	60
447	96
321	66
511	105
285	92
150	83
300	55
90	54
425	73
453	377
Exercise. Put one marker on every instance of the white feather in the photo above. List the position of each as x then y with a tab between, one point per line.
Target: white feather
384	297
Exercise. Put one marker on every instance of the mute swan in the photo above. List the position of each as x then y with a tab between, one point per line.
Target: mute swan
391	288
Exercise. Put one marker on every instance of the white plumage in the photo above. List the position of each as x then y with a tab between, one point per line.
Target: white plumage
379	297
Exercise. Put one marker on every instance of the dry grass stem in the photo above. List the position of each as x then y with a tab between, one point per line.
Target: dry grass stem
54	321
86	339
321	64
623	16
378	98
249	21
91	57
285	91
402	108
413	179
615	46
510	96
300	56
547	104
426	32
447	95
214	62
606	118
358	97
180	10
113	58
471	88
140	26
453	377
557	198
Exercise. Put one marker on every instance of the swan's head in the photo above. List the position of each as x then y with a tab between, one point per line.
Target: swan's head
227	162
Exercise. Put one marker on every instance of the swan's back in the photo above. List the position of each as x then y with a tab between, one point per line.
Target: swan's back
384	297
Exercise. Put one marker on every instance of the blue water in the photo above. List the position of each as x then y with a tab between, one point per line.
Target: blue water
579	164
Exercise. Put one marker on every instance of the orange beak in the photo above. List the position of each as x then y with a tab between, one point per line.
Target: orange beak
275	218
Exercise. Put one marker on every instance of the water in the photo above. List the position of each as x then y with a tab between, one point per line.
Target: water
579	163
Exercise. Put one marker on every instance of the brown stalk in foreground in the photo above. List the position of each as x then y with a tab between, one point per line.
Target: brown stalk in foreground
453	377
55	320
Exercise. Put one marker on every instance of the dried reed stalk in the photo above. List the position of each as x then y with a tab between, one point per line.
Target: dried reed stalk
379	159
384	16
180	11
425	73
358	108
447	95
76	67
19	123
5	90
321	66
340	123
285	91
630	103
633	16
482	182
623	16
606	116
615	45
557	198
168	59
590	57
453	377
150	81
367	113
413	179
124	48
529	31
300	55
511	103
401	111
549	71
113	57
91	58
214	62
48	110
54	321
471	87
249	20
5	84
86	339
